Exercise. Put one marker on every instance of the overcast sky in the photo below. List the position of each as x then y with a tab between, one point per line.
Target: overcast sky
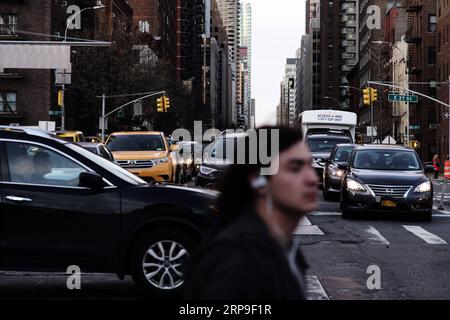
276	35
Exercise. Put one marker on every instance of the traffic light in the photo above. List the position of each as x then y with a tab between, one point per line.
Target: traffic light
60	98
160	105
166	103
373	95
367	96
414	144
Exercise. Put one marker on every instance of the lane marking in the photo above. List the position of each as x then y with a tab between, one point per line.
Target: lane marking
375	236
314	289
426	236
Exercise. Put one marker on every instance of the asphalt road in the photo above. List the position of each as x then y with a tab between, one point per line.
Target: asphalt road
413	258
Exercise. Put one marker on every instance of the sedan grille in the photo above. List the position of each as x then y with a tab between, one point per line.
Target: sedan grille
130	164
389	191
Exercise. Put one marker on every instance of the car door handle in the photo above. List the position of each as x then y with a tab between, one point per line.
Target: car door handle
18	199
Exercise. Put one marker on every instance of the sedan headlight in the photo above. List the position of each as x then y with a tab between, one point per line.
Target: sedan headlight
424	187
207	170
161	160
353	185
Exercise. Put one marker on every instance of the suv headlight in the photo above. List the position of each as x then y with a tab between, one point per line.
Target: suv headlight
161	160
336	172
207	170
353	185
423	187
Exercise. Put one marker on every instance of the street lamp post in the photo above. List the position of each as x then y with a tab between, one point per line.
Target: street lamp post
63	85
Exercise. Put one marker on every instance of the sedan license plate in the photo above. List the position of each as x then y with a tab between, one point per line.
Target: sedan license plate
388	203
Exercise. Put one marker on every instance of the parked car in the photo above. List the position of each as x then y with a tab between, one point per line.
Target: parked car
335	169
99	149
217	159
62	205
321	145
146	154
72	136
386	178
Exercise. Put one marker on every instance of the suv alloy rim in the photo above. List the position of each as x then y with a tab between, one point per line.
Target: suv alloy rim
162	262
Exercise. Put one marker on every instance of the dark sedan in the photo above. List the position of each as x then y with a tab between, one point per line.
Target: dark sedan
61	205
335	169
384	178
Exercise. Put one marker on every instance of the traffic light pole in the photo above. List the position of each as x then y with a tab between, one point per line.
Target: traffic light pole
371	117
120	107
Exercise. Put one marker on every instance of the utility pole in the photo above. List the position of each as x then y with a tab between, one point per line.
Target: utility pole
448	111
371	117
63	116
103	117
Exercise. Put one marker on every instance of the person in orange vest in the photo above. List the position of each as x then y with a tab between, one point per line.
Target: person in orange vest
436	165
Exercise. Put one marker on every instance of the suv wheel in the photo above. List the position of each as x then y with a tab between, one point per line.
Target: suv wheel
158	260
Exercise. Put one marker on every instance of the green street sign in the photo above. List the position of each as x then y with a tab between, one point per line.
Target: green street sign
55	113
394	97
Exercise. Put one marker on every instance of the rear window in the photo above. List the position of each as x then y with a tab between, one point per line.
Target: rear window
136	142
326	144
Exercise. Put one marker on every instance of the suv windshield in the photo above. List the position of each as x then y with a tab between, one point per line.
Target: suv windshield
136	142
342	154
325	144
225	148
386	160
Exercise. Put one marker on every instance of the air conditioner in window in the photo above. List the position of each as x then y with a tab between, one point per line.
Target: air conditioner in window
432	125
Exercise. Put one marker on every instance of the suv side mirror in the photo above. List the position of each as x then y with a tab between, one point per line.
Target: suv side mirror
429	168
91	180
174	147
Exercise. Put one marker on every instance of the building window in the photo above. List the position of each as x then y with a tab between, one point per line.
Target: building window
8	101
431	117
8	24
432	23
432	55
432	88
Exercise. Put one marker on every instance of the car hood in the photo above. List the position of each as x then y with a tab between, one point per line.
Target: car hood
387	177
218	164
138	155
320	155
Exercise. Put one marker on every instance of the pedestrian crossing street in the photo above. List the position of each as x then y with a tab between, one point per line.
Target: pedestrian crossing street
371	234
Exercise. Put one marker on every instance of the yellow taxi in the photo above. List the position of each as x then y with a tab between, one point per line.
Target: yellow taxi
72	136
146	154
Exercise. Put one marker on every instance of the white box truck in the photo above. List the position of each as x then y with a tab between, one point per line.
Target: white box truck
328	121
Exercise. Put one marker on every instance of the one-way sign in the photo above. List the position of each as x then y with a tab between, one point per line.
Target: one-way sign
394	97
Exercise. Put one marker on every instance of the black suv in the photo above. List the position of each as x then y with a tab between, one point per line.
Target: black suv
335	169
321	145
62	205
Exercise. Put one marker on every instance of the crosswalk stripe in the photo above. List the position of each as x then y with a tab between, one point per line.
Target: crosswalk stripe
314	289
324	213
374	236
428	237
308	230
305	222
